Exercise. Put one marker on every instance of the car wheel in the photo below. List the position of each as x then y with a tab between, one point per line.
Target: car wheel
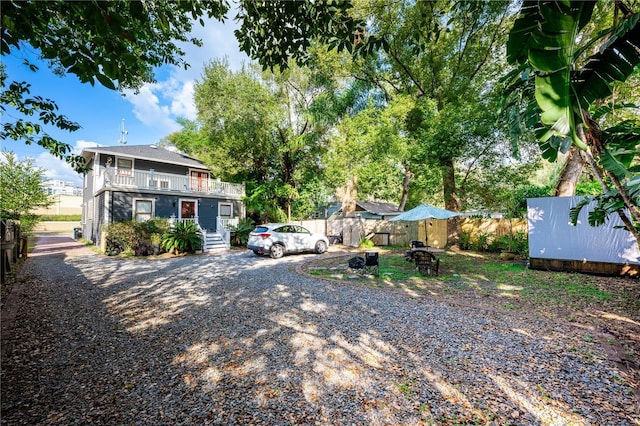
277	251
321	247
256	252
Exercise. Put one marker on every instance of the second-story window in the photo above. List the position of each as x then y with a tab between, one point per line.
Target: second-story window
125	167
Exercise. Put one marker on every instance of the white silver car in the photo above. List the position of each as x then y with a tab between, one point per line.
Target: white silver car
276	239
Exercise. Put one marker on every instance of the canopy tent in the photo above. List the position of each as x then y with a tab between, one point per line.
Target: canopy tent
425	212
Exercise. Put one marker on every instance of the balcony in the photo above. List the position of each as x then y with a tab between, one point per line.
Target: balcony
165	182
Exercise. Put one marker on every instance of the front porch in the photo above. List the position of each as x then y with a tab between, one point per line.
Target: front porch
213	239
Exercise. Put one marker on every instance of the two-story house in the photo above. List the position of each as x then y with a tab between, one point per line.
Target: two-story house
139	182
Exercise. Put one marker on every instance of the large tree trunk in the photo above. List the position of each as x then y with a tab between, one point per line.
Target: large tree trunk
593	139
451	201
571	171
348	195
405	189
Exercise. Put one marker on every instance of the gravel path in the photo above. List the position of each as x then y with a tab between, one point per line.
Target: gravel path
232	338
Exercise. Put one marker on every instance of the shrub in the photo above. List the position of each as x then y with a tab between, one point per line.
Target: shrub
120	237
134	237
465	241
183	238
481	243
516	243
241	232
366	243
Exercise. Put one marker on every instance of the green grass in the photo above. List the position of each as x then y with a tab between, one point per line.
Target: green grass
61	218
485	278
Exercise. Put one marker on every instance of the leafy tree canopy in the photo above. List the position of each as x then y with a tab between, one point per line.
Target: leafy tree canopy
21	189
116	43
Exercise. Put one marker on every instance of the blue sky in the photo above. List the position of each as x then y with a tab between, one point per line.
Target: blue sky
149	115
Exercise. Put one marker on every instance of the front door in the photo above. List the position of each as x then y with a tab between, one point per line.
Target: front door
188	209
199	181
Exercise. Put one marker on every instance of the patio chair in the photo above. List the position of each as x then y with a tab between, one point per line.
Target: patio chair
372	264
408	256
426	263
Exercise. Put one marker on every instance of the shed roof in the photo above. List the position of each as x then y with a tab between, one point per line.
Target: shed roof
378	207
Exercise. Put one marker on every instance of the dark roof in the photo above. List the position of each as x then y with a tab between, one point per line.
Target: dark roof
379	207
148	152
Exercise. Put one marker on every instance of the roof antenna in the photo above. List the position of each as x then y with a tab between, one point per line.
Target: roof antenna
123	132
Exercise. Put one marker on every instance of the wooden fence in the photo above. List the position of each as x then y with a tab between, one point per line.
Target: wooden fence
13	247
494	227
434	231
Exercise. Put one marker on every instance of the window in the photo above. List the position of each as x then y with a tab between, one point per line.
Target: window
124	166
159	184
90	210
226	210
142	210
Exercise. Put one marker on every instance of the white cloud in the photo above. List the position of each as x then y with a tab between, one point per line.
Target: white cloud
182	104
147	109
56	169
158	105
218	42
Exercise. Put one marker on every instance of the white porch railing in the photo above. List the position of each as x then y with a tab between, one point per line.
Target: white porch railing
229	223
223	227
139	179
224	232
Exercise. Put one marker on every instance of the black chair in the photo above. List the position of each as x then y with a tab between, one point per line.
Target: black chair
416	244
371	263
426	263
408	256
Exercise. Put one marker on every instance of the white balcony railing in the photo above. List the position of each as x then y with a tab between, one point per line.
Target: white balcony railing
166	182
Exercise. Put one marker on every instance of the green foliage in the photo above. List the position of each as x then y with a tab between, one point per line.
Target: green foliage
16	96
275	32
116	42
120	237
21	190
134	237
366	244
560	82
259	128
184	237
516	243
480	242
464	241
240	233
484	242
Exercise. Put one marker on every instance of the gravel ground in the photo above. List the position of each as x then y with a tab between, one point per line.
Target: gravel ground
232	338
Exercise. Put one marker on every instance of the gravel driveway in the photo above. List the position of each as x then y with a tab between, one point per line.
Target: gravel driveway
232	338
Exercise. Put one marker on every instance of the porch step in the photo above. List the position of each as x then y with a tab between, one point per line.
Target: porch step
213	241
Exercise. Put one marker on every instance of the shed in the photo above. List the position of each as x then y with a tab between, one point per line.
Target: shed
375	210
555	244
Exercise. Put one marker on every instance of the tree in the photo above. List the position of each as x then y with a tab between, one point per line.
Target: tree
275	32
442	54
259	128
116	43
573	83
21	190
